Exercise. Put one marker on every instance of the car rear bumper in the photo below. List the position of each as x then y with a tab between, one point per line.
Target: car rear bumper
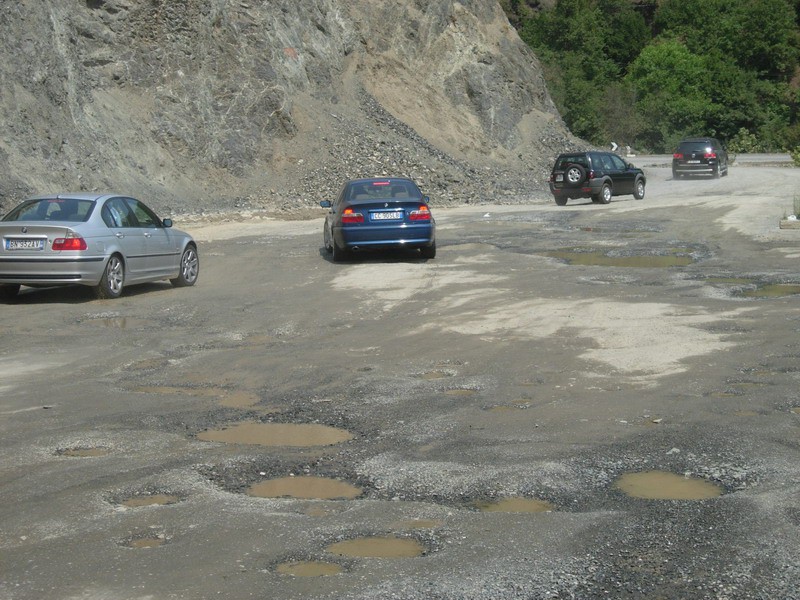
51	271
700	169
376	237
586	190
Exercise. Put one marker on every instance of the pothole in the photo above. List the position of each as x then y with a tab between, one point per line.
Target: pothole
84	451
677	257
277	434
227	398
305	487
149	500
309	568
775	290
145	541
377	547
516	504
437	374
663	485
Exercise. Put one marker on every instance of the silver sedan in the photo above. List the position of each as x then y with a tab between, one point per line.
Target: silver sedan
104	241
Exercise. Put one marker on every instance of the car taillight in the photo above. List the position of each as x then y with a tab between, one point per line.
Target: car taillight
351	216
71	242
590	175
710	155
423	213
678	156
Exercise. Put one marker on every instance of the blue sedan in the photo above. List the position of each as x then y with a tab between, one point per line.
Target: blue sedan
378	214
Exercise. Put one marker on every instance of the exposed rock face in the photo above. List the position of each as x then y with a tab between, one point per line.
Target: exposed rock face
209	104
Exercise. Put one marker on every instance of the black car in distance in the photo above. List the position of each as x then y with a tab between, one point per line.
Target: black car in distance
700	156
595	175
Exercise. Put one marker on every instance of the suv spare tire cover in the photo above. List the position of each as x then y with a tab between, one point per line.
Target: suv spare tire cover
574	175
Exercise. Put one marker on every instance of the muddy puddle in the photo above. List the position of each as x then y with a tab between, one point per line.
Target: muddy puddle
776	290
377	547
663	485
308	568
678	257
227	398
515	504
81	452
277	434
147	542
305	487
150	500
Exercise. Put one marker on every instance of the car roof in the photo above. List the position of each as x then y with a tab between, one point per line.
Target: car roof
94	196
373	179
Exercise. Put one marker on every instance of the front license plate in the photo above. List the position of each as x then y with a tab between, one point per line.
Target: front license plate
24	244
387	216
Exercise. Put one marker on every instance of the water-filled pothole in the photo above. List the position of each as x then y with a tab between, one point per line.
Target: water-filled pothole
775	290
228	398
150	500
678	257
277	434
83	452
663	485
305	487
377	547
148	541
516	504
309	568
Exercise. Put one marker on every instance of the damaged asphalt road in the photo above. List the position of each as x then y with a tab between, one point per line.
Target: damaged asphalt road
568	402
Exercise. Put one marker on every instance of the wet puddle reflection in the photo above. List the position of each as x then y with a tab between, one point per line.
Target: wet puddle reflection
153	500
308	568
306	487
277	434
515	505
678	258
662	485
377	547
84	452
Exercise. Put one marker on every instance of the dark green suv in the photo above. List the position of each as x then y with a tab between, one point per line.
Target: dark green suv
595	175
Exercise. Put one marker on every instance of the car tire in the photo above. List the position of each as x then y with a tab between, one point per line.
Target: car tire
113	279
574	175
605	194
676	175
716	172
561	200
638	189
189	268
428	251
326	241
8	292
339	254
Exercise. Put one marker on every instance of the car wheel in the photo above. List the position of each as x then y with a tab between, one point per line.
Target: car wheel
676	175
9	291
326	240
339	254
428	251
113	279
638	189
725	172
716	171
605	194
574	175
561	200
190	268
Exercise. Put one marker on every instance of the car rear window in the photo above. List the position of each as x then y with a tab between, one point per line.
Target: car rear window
52	209
695	146
383	190
571	159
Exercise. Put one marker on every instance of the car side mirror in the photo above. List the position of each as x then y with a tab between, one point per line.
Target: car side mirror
325	204
166	222
426	199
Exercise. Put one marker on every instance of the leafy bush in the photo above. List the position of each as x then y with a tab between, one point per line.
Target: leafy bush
795	154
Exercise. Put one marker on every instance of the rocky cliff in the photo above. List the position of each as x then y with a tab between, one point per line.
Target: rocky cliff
197	105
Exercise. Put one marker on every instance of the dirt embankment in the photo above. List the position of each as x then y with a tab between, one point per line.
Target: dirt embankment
211	105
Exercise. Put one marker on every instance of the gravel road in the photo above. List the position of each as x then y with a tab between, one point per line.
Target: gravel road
568	402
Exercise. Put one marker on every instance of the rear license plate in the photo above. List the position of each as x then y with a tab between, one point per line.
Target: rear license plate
24	244
559	177
387	216
693	162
